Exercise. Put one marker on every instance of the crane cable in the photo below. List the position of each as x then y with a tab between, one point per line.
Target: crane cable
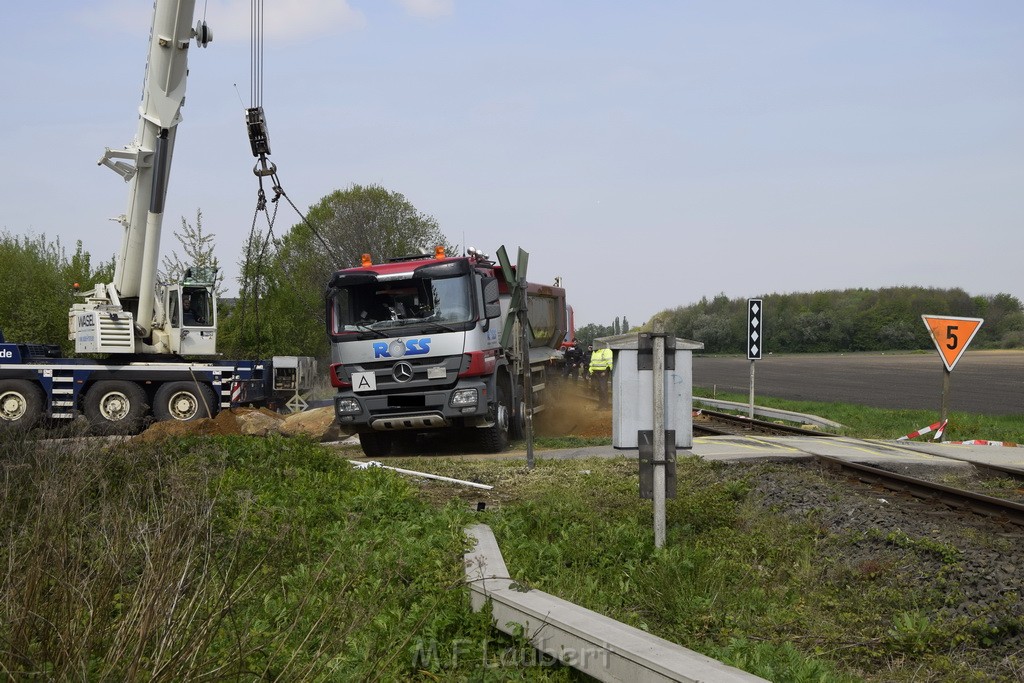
259	137
259	141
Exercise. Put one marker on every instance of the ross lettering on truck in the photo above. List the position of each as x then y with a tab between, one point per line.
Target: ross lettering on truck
398	348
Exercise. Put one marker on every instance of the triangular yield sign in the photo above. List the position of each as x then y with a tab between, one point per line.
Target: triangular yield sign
951	335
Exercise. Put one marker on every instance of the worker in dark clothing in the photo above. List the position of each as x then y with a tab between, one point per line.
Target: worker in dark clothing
573	361
190	314
585	363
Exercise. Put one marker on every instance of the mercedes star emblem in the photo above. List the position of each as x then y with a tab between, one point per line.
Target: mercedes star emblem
402	372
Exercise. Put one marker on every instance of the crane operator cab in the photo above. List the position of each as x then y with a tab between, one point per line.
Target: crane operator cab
192	316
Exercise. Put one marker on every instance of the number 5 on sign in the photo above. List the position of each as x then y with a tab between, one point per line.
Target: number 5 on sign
951	335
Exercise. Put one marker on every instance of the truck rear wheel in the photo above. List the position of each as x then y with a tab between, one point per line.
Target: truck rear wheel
21	404
115	407
494	439
517	427
376	444
183	401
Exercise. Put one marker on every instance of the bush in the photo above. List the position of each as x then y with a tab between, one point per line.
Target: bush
227	558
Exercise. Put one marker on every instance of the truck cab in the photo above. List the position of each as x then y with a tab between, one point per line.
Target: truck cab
416	347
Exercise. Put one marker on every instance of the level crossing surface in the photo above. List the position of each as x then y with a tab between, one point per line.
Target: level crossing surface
738	448
753	447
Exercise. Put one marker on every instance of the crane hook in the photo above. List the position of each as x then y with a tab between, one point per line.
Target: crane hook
265	167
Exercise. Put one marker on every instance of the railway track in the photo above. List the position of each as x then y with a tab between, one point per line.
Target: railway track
957	499
714	423
1015	473
1000	510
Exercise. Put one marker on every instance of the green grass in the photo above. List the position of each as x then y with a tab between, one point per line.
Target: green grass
771	596
877	423
559	442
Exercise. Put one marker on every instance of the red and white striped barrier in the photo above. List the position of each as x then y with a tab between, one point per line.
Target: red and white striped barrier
980	442
236	392
939	426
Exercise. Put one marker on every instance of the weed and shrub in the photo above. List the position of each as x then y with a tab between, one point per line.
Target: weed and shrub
230	558
240	558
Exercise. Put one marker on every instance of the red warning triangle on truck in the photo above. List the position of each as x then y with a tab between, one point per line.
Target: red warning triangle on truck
951	335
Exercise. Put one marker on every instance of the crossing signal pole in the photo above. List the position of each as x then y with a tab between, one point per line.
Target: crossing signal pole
755	341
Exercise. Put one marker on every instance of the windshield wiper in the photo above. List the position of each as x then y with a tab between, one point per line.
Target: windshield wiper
436	325
367	328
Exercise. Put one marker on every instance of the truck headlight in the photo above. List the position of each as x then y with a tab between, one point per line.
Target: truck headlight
463	397
347	406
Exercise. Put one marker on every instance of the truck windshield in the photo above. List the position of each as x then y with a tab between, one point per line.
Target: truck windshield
390	306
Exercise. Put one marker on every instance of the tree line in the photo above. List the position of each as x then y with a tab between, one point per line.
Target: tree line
37	287
591	331
280	310
280	306
886	319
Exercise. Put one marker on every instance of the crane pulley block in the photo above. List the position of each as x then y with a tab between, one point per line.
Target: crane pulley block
259	137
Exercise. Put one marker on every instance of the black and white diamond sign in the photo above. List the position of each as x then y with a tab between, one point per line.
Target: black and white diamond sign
755	329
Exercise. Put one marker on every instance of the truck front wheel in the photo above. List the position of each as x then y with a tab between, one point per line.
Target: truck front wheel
183	401
376	444
115	407
21	404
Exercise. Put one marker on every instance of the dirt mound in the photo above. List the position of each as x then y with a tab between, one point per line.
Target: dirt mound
315	423
572	411
224	423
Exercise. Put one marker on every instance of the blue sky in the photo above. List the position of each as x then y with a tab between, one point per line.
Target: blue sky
649	153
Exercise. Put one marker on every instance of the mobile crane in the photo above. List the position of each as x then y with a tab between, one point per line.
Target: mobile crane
143	330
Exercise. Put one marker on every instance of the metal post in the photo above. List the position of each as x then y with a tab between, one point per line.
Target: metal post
659	433
751	415
945	394
527	380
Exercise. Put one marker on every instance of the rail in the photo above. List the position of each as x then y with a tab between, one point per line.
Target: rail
714	423
988	506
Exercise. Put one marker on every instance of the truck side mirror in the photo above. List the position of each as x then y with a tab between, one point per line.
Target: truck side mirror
492	301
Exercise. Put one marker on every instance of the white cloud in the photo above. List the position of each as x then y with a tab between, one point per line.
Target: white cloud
429	8
284	21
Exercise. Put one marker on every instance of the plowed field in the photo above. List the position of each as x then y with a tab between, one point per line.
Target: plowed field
983	382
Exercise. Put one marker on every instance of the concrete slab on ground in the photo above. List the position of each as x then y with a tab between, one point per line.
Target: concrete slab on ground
1006	456
600	647
738	448
769	413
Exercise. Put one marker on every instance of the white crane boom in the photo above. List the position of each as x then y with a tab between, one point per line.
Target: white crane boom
127	316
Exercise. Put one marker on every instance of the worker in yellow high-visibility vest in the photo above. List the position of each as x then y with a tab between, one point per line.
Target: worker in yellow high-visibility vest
600	370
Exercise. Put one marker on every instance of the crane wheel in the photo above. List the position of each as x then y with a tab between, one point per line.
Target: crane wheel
115	407
21	404
183	401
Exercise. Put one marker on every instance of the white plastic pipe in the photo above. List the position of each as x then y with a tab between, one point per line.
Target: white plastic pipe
364	464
